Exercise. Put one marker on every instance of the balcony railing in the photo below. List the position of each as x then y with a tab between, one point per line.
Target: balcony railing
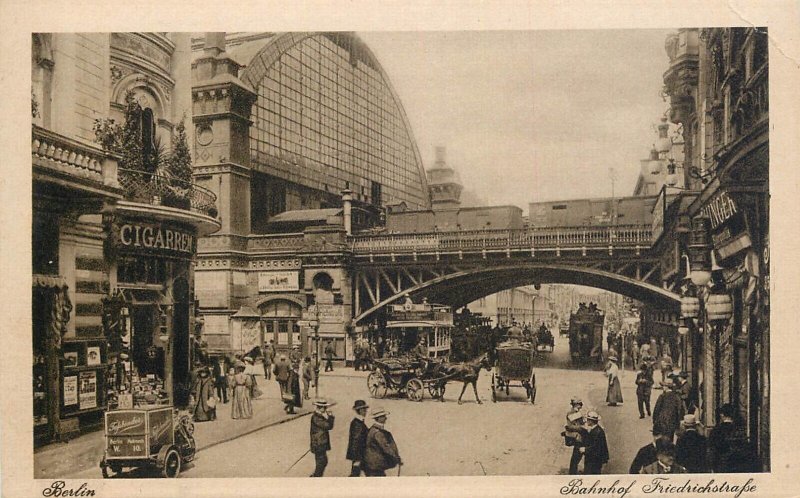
528	238
71	157
150	188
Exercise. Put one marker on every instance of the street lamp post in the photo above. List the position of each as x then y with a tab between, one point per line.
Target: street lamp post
316	340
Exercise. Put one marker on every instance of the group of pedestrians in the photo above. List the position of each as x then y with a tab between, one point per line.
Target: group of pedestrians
371	450
224	382
587	438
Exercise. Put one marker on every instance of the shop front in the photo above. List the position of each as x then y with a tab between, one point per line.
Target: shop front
148	317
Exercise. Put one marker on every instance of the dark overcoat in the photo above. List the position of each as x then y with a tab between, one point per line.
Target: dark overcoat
690	451
644	457
596	446
668	413
320	426
357	442
381	451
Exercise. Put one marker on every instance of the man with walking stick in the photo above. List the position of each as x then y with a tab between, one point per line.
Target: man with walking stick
357	440
381	453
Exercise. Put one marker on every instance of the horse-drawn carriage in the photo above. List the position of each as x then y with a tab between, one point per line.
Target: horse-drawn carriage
409	376
514	363
545	340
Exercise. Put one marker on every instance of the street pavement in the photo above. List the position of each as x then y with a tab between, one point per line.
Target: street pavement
510	437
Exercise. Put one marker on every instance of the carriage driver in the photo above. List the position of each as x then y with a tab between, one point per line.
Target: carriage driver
420	350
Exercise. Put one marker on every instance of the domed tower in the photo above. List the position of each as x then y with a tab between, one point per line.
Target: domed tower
444	184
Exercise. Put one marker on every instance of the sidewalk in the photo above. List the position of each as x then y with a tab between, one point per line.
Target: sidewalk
62	460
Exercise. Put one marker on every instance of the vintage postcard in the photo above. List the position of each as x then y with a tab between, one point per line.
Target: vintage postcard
494	249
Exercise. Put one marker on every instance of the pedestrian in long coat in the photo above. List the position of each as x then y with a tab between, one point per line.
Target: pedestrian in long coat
646	455
202	394
308	376
357	439
668	412
690	450
321	424
281	371
381	451
220	380
292	397
329	352
644	385
596	447
614	393
241	406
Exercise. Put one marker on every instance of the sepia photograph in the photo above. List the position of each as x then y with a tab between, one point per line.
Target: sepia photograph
401	253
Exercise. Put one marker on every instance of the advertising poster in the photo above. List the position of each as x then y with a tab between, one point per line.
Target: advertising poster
70	390
93	355
87	393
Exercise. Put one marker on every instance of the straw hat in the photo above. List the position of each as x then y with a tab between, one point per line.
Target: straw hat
321	402
379	412
593	416
689	421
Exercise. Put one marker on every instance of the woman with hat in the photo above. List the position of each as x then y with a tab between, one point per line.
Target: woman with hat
321	425
203	396
574	433
241	406
614	393
357	441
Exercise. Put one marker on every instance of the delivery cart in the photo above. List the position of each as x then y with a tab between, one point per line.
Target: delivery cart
156	436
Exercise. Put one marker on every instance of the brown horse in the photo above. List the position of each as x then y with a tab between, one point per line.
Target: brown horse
467	373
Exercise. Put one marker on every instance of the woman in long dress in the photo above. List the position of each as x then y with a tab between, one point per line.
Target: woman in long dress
292	397
202	393
241	407
614	394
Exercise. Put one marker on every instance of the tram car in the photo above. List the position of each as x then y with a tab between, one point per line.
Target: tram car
408	323
586	334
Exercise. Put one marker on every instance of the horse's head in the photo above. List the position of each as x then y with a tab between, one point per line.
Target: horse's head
484	362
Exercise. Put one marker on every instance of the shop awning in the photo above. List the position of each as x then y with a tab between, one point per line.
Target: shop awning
49	281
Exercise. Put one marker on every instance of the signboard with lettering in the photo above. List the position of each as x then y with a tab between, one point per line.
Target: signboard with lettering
153	238
729	231
87	390
328	313
278	281
70	390
138	432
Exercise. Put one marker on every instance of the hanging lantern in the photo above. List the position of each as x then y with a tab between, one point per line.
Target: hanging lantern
700	251
690	307
719	307
672	176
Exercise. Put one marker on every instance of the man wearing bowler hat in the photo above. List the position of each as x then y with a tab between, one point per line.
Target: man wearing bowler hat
357	442
381	452
321	424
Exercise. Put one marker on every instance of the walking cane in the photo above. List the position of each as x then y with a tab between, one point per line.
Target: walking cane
298	460
400	466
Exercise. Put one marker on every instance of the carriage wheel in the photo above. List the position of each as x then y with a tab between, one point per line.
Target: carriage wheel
377	385
415	390
170	463
494	388
533	388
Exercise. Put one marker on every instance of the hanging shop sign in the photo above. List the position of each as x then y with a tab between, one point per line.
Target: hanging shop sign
87	390
278	281
153	238
70	390
729	230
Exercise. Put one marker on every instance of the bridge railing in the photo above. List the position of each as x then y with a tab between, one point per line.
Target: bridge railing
526	238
